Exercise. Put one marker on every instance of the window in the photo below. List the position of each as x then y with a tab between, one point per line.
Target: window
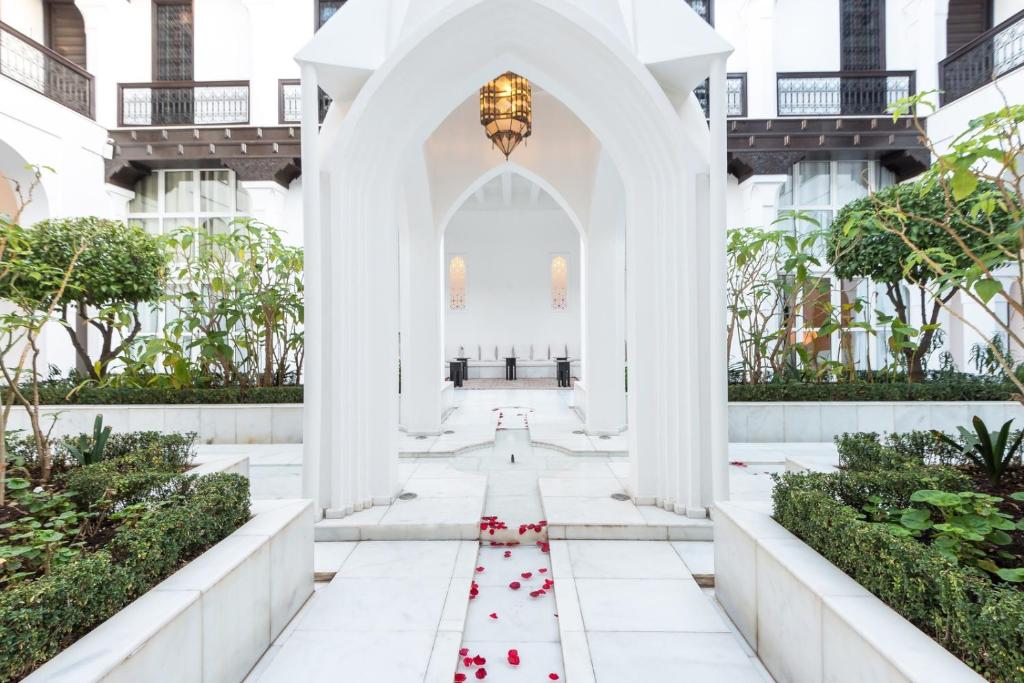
559	283
456	284
325	9
817	190
862	35
701	7
166	200
172	41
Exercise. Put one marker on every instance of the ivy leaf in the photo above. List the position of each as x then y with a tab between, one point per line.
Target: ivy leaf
1011	575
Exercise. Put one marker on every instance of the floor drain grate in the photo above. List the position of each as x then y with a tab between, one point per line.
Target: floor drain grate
421	438
605	437
620	496
449	431
408	495
578	431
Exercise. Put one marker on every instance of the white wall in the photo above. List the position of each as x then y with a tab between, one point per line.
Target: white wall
807	35
508	283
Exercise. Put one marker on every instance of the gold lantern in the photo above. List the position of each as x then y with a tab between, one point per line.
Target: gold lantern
506	111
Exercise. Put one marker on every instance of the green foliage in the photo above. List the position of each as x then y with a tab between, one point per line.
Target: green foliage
957	389
89	450
980	622
239	298
43	616
965	527
56	395
867	451
990	452
885	490
45	534
119	268
869	235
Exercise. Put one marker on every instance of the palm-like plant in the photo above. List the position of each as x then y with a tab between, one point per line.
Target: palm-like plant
990	452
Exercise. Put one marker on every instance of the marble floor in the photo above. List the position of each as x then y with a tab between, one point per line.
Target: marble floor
602	611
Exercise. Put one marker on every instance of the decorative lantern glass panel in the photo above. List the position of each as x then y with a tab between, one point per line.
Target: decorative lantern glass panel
506	111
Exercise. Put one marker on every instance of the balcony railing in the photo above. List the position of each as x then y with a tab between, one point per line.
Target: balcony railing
995	52
43	70
183	103
842	93
290	101
735	96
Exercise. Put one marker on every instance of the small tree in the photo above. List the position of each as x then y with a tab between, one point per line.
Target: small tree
34	291
120	268
878	236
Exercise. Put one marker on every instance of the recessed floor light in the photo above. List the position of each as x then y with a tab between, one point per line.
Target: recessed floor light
408	495
620	496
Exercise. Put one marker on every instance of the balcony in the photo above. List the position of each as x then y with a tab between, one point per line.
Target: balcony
37	67
992	54
183	103
290	101
842	93
735	96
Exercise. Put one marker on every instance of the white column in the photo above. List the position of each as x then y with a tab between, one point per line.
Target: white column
316	481
717	452
421	307
759	51
604	318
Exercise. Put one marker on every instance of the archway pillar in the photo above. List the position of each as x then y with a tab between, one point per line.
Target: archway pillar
421	282
603	292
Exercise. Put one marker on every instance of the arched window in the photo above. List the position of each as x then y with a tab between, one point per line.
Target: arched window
559	283
457	284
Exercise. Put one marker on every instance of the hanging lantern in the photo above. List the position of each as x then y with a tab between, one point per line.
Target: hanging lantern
506	111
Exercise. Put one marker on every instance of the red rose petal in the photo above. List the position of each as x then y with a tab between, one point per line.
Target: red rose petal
543	570
459	678
463	652
526	575
479	661
493	615
514	585
553	677
479	570
467	661
481	674
513	653
508	553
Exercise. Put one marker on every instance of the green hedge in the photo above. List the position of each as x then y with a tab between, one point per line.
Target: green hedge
980	622
55	395
932	390
43	616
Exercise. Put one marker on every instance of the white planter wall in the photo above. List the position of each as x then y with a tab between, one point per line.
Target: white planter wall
814	422
776	422
225	424
806	619
211	621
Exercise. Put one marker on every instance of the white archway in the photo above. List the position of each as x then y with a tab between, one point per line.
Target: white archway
673	176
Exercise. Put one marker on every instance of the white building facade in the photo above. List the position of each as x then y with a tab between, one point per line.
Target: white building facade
166	113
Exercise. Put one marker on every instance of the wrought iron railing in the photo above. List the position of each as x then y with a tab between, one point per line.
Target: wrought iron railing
43	70
735	96
995	52
842	93
290	101
183	103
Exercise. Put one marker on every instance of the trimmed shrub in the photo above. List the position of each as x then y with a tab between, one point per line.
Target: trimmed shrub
865	451
980	622
931	390
58	395
106	481
893	487
43	616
